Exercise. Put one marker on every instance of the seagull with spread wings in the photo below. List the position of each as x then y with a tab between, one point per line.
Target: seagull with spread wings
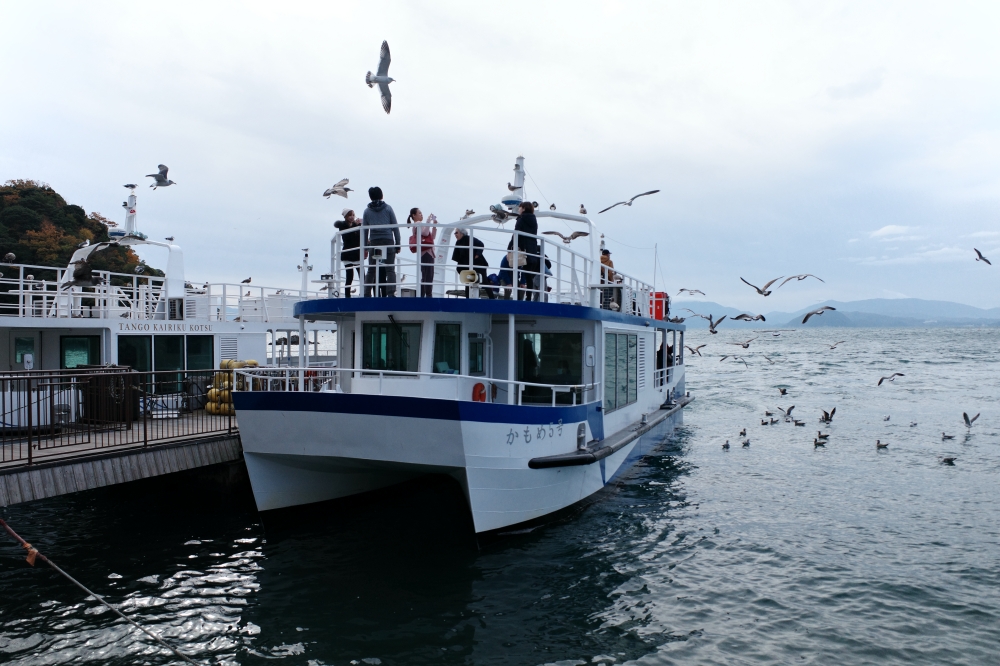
817	312
839	342
891	378
800	278
692	292
763	290
339	188
980	257
746	317
160	179
629	202
694	350
567	239
735	358
382	77
745	345
968	421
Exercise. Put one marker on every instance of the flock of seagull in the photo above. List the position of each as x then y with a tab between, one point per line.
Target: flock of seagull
770	419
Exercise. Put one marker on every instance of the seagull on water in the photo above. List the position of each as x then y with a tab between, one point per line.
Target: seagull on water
339	188
948	461
726	445
787	412
743	433
763	290
817	444
827	416
382	77
816	313
968	421
782	391
880	445
691	292
945	436
629	202
891	378
820	435
746	443
567	239
160	179
800	278
980	257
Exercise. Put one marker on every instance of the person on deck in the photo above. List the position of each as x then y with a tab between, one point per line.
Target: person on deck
381	236
476	262
422	242
350	242
527	245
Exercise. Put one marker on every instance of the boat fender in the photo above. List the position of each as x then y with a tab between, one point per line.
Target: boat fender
479	392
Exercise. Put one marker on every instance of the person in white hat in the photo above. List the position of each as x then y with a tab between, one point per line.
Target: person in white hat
350	252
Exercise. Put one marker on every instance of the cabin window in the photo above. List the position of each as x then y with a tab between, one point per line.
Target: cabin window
136	351
200	352
477	355
550	358
448	348
23	346
168	354
621	365
390	346
77	350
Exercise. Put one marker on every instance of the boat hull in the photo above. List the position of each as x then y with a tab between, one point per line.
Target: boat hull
302	448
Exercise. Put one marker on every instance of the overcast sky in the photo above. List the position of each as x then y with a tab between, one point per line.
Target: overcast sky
858	141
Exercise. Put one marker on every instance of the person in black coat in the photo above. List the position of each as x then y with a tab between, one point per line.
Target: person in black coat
527	223
350	252
460	255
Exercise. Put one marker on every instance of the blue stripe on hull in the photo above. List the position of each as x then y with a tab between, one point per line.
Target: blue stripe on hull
425	408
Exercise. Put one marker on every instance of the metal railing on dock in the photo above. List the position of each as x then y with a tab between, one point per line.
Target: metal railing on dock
53	415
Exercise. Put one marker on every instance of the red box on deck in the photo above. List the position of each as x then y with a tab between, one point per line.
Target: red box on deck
658	304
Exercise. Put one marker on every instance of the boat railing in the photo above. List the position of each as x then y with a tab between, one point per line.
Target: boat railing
468	388
38	291
562	271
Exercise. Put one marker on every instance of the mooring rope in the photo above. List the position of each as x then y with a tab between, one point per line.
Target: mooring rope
33	554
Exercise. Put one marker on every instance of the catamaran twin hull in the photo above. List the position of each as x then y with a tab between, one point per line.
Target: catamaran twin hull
515	463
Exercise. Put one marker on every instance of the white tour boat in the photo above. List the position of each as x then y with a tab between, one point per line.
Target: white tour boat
531	405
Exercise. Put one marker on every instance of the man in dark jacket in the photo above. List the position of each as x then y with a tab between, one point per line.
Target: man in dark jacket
527	223
350	242
460	255
381	235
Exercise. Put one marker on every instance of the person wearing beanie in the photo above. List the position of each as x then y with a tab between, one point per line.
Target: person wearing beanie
378	224
350	242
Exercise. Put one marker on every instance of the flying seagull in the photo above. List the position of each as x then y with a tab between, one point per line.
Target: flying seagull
566	239
768	360
712	324
735	358
763	291
827	416
817	312
787	412
834	345
694	350
382	77
468	213
968	421
629	202
800	278
160	179
691	292
891	378
745	345
746	317
980	257
340	189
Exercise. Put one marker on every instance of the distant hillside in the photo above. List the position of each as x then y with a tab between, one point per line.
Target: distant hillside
40	228
871	313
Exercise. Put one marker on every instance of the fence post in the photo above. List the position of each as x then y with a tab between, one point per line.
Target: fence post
29	420
144	409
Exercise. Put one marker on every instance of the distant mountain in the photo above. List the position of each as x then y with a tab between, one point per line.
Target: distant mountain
871	313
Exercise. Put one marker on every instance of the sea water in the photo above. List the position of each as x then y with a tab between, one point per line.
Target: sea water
775	553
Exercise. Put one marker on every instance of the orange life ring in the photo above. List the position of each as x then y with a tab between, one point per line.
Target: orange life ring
479	392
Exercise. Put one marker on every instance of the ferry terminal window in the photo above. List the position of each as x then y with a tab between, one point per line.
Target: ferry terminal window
621	370
390	346
447	348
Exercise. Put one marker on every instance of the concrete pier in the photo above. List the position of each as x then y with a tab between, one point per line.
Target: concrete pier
59	477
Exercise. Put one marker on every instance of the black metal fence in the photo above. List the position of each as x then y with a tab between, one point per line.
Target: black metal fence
52	415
